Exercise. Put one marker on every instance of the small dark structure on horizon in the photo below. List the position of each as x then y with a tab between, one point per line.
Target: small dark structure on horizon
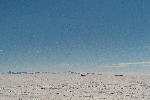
83	75
118	75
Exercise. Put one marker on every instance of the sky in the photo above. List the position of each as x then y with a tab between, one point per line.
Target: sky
75	35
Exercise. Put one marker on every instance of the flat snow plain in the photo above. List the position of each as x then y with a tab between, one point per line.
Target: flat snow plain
68	86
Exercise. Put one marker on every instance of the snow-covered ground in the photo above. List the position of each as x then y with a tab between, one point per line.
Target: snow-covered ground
68	86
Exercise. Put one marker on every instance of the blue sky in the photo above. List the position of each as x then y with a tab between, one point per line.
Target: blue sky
76	35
